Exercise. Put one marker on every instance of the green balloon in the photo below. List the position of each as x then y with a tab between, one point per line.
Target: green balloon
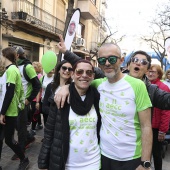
49	61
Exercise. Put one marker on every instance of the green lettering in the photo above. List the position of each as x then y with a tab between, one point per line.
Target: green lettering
86	119
81	120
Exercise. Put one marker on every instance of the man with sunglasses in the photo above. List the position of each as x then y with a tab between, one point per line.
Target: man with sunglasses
125	110
138	66
126	118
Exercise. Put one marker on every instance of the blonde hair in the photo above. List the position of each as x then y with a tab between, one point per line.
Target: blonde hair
166	74
37	66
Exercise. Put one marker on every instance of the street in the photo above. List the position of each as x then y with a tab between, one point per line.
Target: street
33	151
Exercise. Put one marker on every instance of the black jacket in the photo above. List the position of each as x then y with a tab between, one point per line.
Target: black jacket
158	97
54	151
46	103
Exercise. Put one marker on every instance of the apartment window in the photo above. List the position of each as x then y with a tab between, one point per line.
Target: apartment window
80	30
61	10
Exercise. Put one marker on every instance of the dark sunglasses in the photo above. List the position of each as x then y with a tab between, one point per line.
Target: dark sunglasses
136	60
66	68
111	59
80	72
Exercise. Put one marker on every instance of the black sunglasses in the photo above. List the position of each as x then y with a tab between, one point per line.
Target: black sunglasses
80	72
136	60
66	68
111	59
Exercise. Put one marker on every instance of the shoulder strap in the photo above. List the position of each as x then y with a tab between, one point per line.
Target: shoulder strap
25	74
42	79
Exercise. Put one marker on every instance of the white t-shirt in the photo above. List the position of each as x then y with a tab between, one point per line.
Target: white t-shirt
84	151
3	81
120	102
45	82
167	82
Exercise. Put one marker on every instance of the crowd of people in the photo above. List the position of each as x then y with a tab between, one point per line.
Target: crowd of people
94	118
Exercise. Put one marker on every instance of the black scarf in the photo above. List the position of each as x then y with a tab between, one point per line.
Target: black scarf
83	107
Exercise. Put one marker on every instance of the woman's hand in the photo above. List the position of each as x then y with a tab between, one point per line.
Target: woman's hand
2	119
61	96
161	136
37	105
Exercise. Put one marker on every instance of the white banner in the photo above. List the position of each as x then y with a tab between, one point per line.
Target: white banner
71	30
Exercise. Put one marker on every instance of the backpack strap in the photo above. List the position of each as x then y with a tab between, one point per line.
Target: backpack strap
42	79
25	74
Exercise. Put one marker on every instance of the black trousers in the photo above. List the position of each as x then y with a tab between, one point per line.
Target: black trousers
45	117
22	126
1	138
110	164
156	150
7	132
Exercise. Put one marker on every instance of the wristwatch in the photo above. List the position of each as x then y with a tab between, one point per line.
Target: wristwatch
146	164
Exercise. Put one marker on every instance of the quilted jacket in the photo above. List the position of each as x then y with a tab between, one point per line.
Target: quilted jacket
54	151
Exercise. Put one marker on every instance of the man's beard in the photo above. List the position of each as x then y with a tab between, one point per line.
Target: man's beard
112	75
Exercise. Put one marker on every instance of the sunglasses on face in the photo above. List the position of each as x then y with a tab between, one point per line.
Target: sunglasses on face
111	59
136	60
66	68
80	72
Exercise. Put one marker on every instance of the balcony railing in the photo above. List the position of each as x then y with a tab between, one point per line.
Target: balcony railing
32	14
88	8
98	18
104	27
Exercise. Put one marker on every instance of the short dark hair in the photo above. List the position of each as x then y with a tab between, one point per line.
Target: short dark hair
82	61
148	57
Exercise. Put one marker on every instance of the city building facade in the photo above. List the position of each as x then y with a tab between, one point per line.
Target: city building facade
36	24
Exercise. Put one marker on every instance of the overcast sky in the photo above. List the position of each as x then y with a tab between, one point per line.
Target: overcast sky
130	17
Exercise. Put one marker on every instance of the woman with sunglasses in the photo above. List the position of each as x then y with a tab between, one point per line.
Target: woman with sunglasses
11	93
62	76
71	134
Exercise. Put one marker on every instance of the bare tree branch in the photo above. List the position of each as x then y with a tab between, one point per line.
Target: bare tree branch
160	26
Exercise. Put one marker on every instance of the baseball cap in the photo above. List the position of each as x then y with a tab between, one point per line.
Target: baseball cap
19	49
